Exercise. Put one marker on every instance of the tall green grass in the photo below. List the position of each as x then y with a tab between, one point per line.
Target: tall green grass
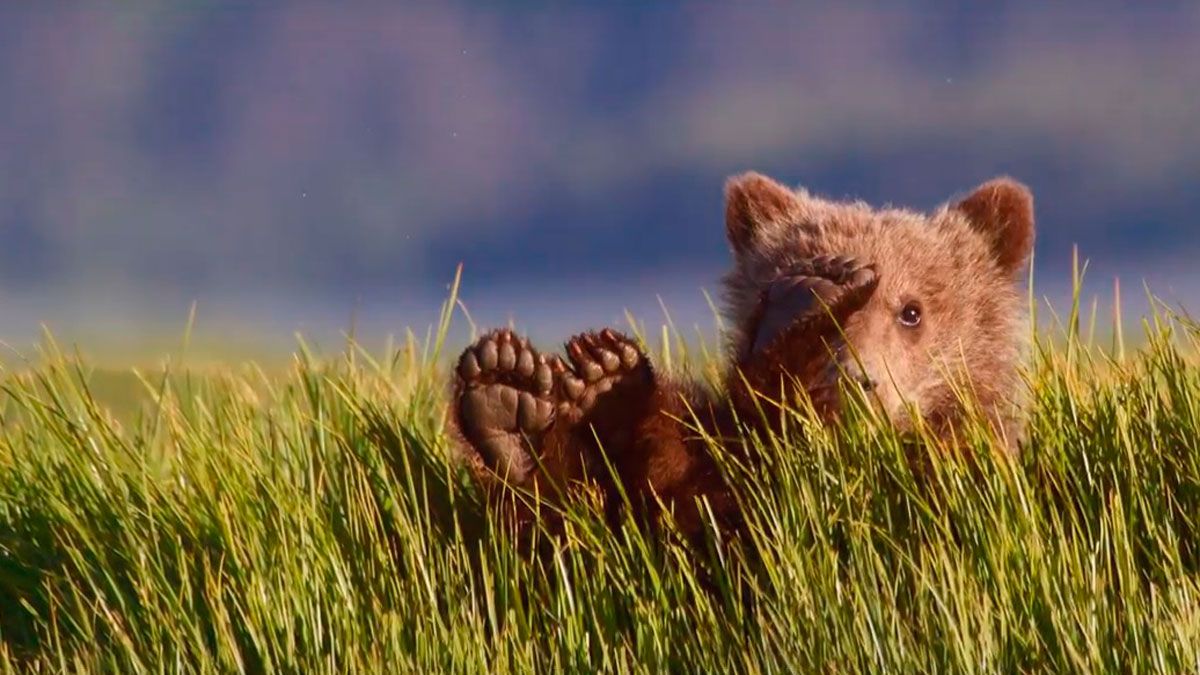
315	521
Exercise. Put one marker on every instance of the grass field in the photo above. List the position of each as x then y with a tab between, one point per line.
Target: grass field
309	521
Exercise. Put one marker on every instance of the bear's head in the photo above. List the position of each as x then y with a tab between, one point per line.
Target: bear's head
946	318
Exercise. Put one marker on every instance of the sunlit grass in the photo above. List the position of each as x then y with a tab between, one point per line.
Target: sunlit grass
314	520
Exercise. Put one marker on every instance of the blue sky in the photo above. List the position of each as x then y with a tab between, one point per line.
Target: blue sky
287	165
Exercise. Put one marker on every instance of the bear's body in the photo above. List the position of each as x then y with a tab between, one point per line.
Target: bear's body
916	309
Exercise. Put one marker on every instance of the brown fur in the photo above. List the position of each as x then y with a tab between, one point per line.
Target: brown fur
959	264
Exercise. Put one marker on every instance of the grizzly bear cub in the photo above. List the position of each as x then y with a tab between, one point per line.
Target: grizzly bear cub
914	309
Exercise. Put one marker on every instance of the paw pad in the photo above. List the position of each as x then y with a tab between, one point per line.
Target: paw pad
600	362
504	401
509	396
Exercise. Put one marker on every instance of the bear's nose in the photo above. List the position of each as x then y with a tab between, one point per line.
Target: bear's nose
856	374
866	382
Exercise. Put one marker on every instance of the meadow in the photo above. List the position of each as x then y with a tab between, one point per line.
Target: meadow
313	520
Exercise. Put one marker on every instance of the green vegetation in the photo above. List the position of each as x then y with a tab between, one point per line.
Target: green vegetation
311	521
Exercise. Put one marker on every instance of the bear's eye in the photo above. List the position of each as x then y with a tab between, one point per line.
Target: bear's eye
910	316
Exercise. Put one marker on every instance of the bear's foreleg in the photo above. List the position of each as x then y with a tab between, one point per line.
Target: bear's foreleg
794	338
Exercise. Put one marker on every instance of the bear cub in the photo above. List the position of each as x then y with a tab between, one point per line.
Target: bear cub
913	309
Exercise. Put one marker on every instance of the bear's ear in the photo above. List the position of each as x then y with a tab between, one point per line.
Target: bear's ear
754	202
1002	211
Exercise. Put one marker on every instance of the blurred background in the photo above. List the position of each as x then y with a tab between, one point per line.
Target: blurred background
306	166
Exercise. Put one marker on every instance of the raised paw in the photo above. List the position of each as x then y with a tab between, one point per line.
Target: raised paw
601	362
811	292
506	393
